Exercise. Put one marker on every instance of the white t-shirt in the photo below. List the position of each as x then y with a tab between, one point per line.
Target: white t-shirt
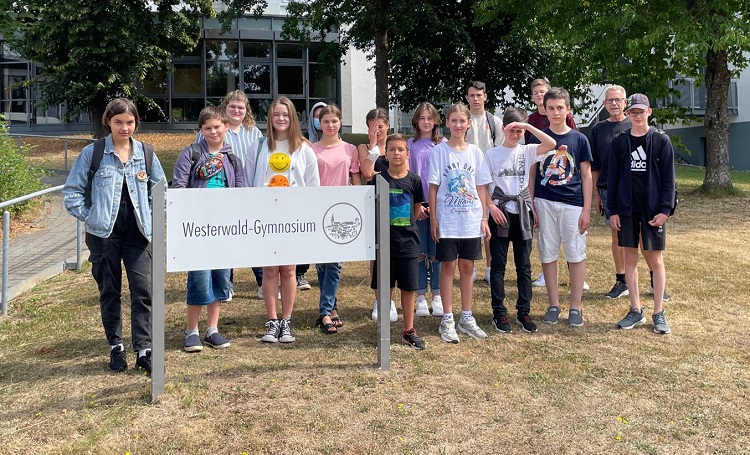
458	173
480	135
278	171
510	169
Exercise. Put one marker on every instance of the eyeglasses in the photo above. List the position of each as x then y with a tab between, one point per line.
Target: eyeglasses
614	100
637	114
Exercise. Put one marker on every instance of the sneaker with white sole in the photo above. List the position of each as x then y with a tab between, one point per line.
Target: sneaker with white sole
272	334
524	320
393	314
660	323
651	292
302	283
586	286
552	315
285	331
411	339
216	341
422	308
447	331
501	324
192	343
539	282
575	318
437	306
632	319
620	289
469	326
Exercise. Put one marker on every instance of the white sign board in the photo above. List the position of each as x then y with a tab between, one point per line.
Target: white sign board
220	228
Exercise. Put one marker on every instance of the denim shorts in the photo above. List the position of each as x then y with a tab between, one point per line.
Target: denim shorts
207	286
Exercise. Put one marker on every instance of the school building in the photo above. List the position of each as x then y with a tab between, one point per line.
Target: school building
252	56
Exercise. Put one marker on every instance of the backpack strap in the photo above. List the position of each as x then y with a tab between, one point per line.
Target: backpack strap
260	147
491	124
148	152
96	159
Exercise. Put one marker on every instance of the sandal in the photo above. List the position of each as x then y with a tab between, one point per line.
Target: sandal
337	322
329	328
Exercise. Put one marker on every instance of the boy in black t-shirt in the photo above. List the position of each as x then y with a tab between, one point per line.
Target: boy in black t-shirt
405	197
641	191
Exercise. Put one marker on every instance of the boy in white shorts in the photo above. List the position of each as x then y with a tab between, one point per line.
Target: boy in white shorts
562	199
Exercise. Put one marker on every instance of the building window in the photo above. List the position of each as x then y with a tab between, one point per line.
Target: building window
695	97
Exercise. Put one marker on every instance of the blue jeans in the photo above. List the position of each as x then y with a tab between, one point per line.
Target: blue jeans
427	248
204	287
329	276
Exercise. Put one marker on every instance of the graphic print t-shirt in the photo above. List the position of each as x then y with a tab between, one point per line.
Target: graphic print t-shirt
638	167
403	194
510	169
278	171
458	173
559	176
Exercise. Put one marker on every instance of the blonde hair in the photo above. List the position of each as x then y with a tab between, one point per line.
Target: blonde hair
434	114
296	139
459	108
542	81
238	95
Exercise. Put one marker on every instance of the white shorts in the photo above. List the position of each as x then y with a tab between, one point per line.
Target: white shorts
558	225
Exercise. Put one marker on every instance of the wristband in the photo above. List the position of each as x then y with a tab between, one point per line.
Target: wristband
373	154
484	219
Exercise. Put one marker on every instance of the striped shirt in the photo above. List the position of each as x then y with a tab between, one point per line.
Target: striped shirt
243	143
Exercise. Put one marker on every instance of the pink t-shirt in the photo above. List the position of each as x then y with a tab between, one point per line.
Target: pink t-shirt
336	163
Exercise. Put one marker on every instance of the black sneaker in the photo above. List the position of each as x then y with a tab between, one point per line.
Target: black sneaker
302	283
117	360
501	324
524	320
143	363
620	289
413	340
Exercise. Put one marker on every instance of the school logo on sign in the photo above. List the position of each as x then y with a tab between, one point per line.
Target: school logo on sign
342	223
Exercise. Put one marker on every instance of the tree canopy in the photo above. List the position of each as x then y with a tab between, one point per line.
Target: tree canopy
646	46
92	51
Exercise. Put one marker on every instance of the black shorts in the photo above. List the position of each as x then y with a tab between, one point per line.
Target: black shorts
451	249
404	271
635	227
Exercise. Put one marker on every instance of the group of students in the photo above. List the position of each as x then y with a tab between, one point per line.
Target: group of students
492	181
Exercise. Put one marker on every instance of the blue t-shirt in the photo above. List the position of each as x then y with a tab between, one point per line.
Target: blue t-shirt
559	176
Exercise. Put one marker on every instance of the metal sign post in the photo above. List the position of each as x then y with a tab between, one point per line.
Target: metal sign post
383	261
158	276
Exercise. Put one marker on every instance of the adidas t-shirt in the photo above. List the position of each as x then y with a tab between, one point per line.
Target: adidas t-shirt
638	172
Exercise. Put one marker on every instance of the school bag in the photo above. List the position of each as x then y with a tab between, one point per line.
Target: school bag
96	159
658	140
491	123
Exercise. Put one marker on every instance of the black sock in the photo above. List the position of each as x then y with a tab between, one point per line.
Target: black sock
620	277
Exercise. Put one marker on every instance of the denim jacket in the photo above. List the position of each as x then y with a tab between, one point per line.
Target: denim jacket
106	188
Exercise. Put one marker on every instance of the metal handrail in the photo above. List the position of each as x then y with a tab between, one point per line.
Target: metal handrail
6	239
18	137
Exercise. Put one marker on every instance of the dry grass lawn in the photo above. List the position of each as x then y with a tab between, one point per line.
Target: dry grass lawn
593	390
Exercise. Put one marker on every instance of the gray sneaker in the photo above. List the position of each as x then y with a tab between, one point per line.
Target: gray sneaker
575	318
660	323
274	328
447	331
470	327
632	319
552	315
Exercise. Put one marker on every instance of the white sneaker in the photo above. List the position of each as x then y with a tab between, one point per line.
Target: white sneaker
539	282
471	328
474	274
487	275
586	286
437	306
447	331
260	293
393	316
422	308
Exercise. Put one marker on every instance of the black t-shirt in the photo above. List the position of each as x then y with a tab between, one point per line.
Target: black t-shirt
638	175
381	164
404	193
601	145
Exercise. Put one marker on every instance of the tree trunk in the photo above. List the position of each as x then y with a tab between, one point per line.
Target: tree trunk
96	120
382	66
716	121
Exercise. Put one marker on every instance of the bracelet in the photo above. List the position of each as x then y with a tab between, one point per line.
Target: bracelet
484	219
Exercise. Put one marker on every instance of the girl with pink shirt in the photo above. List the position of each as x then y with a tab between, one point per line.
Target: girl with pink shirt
338	164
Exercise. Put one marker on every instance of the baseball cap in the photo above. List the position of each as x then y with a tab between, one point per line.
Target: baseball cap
638	101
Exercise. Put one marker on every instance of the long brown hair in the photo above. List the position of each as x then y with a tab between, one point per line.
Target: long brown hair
434	114
296	139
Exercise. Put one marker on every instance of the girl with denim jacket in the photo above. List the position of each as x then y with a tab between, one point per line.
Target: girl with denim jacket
118	228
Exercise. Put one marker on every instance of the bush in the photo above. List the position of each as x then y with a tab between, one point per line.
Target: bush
16	177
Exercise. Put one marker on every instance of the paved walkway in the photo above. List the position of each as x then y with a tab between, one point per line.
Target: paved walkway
41	254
